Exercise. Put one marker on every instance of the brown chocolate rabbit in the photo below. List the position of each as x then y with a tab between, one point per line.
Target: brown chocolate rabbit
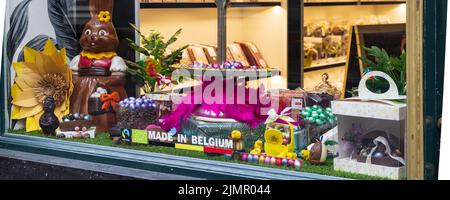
98	63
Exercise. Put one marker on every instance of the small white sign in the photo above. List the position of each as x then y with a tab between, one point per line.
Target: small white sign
297	104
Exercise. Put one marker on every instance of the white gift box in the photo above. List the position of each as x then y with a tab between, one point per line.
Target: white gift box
378	121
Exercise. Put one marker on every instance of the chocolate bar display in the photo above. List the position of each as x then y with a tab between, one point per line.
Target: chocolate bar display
238	54
243	53
196	53
211	53
253	54
186	59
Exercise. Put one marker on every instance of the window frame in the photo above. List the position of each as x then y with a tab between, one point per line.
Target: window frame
214	169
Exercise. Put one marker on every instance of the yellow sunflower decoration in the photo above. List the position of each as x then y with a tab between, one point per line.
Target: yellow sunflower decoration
42	74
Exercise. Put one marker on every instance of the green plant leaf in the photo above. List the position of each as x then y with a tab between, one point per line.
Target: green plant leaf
137	48
144	39
330	143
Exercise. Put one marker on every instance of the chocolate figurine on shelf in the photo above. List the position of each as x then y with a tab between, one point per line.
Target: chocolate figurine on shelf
326	87
98	64
48	121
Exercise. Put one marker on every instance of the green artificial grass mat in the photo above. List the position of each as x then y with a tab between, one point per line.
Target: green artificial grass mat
104	139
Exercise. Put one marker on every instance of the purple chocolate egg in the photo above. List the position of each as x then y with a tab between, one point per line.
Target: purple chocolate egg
267	160
284	162
250	158
291	163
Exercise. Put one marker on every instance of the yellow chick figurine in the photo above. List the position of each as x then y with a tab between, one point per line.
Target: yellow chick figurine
258	148
282	154
238	143
305	154
291	155
236	135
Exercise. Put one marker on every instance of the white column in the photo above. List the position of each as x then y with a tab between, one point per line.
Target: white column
444	161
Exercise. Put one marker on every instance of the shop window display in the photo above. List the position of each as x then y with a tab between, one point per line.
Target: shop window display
201	99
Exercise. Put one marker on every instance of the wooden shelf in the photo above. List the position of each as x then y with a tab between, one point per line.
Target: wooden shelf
207	5
249	73
338	63
310	4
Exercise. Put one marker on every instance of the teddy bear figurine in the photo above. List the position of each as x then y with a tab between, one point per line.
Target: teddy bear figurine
98	65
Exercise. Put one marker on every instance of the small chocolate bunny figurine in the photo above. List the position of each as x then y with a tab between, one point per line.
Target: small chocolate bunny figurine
98	63
48	121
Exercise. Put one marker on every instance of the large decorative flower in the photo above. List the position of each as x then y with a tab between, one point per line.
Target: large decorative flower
273	136
42	74
104	16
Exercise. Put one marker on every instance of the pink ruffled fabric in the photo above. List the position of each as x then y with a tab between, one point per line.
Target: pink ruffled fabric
247	112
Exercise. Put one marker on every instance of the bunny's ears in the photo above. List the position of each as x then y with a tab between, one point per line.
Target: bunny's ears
100	8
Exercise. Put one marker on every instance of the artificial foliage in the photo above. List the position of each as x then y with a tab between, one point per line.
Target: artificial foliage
395	67
153	72
104	140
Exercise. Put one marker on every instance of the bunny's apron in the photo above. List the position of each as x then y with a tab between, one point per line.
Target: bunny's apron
94	73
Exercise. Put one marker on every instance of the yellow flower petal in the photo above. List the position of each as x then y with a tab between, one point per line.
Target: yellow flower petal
24	98
49	48
15	91
15	110
45	64
29	54
32	124
29	112
62	54
37	117
29	80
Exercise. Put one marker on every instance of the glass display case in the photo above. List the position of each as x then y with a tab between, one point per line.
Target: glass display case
279	84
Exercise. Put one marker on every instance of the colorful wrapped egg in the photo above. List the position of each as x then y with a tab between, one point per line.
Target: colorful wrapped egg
305	114
267	160
319	122
249	158
297	164
278	161
273	161
255	158
261	159
308	109
284	162
244	157
291	163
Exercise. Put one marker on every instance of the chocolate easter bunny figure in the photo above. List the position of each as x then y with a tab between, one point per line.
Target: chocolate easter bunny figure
98	63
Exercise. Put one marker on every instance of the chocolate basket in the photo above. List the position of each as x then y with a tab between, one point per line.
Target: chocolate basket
94	71
95	106
70	126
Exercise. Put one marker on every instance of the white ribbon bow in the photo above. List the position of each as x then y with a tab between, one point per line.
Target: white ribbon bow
274	116
385	142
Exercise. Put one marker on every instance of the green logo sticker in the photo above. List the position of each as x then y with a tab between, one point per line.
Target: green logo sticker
139	136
